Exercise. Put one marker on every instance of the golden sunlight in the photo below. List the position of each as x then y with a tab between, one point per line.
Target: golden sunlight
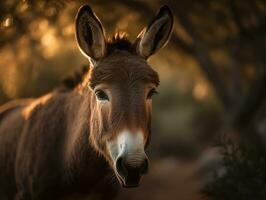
200	91
10	84
49	43
7	22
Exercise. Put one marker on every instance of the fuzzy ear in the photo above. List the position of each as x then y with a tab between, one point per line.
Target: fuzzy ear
90	33
156	34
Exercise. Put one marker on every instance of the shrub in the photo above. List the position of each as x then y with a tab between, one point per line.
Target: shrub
245	177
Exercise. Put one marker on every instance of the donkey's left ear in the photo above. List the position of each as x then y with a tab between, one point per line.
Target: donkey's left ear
156	34
90	33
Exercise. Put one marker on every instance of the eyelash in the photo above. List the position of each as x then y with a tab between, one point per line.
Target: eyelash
101	95
151	93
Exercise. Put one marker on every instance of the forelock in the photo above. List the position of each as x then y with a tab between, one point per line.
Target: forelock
120	41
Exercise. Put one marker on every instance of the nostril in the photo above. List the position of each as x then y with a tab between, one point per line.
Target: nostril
145	166
129	173
120	166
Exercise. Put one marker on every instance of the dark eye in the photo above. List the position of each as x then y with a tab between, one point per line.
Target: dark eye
101	95
151	93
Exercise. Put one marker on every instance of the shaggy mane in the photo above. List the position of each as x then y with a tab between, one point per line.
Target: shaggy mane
70	82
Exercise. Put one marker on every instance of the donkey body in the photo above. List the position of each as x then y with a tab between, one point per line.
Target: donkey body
75	141
44	148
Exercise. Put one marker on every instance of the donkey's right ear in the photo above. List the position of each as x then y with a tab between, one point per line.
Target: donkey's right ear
90	34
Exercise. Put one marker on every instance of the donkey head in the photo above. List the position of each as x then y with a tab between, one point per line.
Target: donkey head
122	85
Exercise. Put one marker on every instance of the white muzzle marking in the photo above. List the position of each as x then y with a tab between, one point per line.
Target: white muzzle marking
130	146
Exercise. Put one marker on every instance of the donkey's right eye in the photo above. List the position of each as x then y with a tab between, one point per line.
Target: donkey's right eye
101	95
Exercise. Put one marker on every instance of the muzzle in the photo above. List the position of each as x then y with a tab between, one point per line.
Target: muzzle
130	159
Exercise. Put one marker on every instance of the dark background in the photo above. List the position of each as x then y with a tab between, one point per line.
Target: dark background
213	78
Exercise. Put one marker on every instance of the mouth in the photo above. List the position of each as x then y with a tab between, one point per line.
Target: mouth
128	183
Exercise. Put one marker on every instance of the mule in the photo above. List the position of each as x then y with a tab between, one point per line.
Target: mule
73	141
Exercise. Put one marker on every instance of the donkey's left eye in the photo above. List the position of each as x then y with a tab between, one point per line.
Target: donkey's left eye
101	95
151	93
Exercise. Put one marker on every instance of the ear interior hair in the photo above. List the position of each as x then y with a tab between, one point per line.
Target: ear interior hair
157	33
90	33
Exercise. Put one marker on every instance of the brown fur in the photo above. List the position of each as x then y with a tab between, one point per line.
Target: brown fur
53	147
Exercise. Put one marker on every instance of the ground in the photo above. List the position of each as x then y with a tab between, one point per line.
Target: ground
168	179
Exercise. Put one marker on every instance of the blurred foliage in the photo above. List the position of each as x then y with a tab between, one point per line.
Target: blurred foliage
179	120
244	174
